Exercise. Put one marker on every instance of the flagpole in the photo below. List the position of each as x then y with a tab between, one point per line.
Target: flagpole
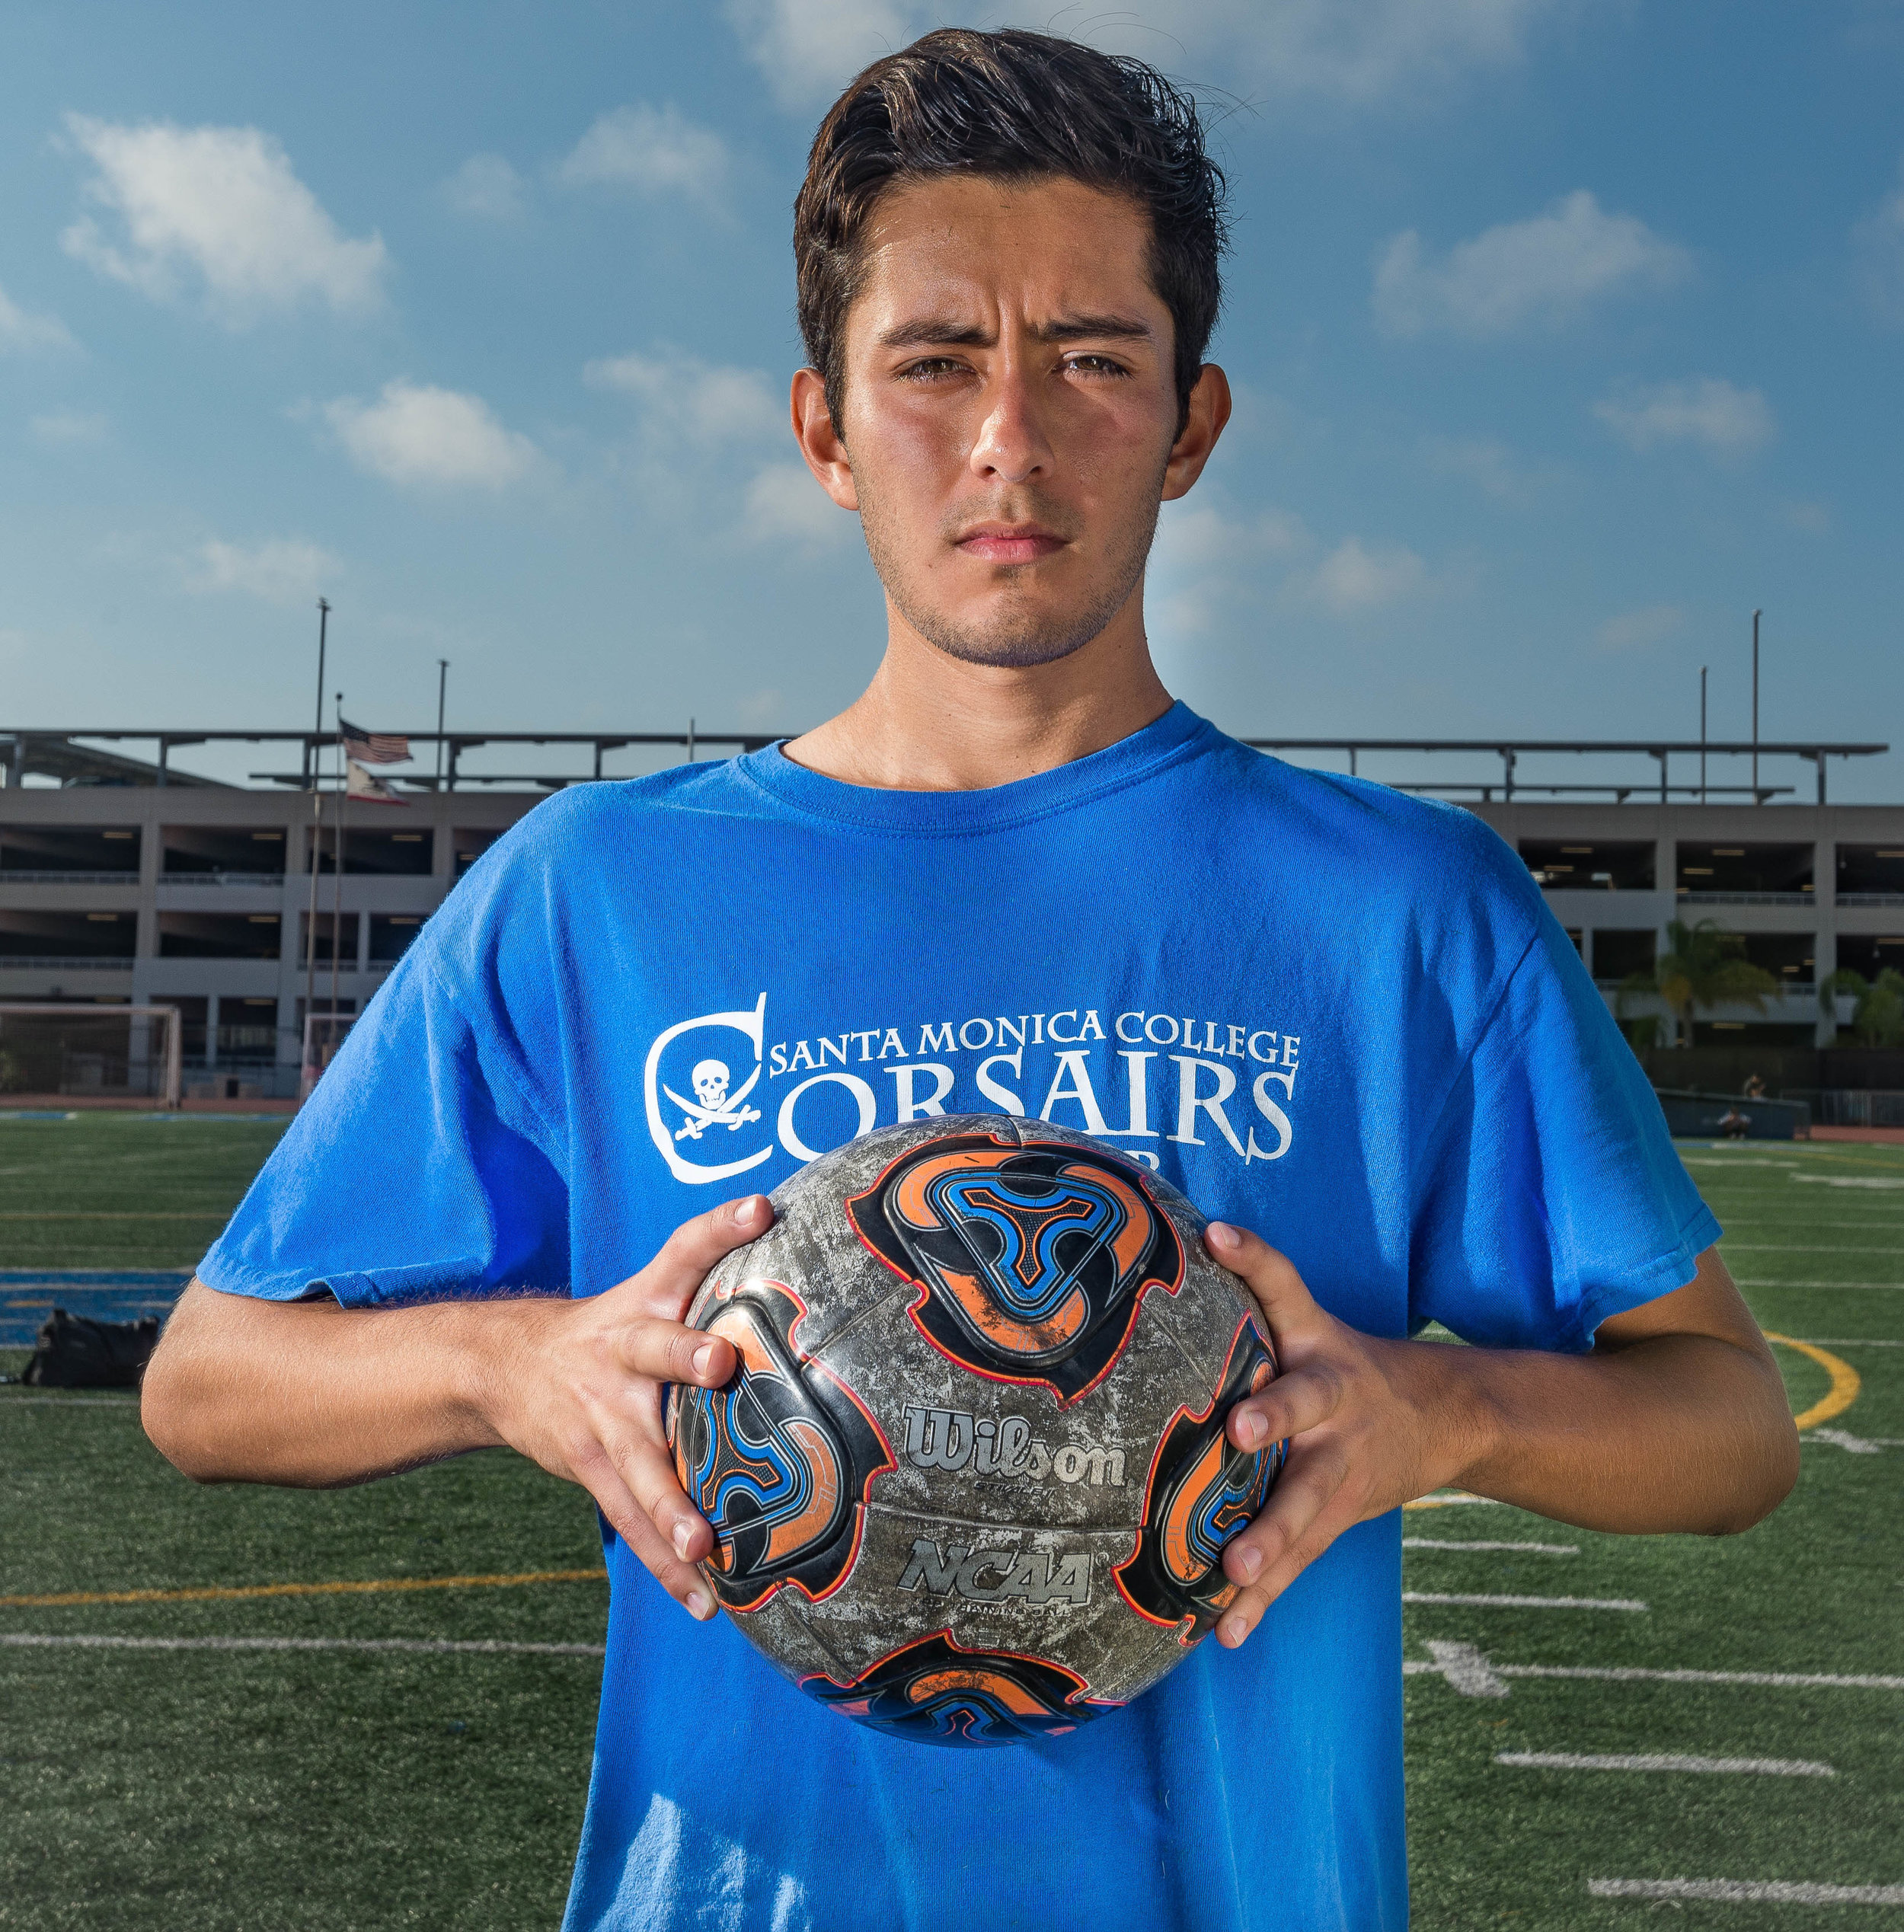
337	876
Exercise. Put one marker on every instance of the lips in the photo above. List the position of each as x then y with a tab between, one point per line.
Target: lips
1007	543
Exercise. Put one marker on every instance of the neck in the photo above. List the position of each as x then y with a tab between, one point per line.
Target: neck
929	722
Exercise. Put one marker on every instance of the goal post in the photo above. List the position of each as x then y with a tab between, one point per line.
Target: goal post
54	1051
324	1033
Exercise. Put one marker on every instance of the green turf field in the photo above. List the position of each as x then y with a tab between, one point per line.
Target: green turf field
328	1782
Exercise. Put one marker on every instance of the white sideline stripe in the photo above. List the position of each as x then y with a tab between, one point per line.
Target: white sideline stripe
1472	1660
488	1645
1749	1892
1756	1282
129	1403
1525	1603
1655	1761
1850	1342
1542	1549
1799	1248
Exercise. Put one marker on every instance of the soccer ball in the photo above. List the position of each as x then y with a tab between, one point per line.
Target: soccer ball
969	1483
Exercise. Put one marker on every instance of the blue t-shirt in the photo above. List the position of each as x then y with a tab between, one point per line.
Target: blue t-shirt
1323	1010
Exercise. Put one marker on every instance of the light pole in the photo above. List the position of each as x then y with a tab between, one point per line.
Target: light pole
1702	734
443	687
317	835
1756	799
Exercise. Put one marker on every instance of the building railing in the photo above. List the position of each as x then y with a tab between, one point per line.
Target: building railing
1745	899
52	962
26	875
1870	899
270	879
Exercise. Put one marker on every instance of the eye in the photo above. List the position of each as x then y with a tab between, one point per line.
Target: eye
932	369
1089	364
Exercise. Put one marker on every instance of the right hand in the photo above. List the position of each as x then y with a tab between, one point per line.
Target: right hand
582	1387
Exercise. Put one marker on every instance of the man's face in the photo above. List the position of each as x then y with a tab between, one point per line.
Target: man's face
1010	412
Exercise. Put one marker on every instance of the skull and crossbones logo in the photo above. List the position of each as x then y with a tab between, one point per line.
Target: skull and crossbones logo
712	1105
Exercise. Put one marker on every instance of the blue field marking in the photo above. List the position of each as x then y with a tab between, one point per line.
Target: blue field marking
28	1296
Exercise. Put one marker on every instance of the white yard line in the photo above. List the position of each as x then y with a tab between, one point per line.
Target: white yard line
1539	1549
490	1646
1749	1892
1474	1675
1800	1247
1652	1760
1525	1603
1850	1342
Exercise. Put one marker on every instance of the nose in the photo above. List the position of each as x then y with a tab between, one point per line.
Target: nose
1011	445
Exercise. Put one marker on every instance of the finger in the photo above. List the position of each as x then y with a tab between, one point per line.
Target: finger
1304	1399
645	1464
682	1580
667	1284
1270	1276
1261	1556
667	1351
1246	1609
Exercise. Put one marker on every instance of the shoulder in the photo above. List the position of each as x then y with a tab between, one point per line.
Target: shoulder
1371	837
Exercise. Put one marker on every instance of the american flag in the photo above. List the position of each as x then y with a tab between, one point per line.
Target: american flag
373	747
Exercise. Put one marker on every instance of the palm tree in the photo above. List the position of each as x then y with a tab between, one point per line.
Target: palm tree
1878	1019
1701	968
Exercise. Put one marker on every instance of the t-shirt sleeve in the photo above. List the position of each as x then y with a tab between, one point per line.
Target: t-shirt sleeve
1549	1196
417	1171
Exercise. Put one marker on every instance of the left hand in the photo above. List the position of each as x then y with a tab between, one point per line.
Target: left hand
1369	1423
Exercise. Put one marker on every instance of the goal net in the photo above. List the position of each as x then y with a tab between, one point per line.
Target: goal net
324	1033
53	1052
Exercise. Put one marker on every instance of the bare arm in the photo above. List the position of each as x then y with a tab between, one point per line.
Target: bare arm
312	1394
1677	1420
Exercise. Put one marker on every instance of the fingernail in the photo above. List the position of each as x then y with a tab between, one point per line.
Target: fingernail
703	1356
699	1606
1251	1428
1249	1561
683	1535
1220	1233
1235	1630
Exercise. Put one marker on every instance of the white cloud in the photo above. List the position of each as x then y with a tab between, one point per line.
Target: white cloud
416	433
1488	464
785	501
704	404
224	202
1631	630
1878	244
64	426
1546	269
20	329
809	49
1707	411
1354	578
655	152
487	187
280	570
1356	51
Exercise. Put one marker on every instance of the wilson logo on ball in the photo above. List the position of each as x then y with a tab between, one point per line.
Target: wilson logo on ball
1201	1491
780	1460
933	1691
1032	1260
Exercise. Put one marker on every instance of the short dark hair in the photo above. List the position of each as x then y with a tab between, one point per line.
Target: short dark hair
1010	105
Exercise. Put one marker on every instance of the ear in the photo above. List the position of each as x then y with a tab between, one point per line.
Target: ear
1209	410
819	443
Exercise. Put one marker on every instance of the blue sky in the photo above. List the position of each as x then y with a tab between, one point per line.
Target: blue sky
1564	334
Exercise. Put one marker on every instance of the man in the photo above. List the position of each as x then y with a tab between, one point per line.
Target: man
1013	876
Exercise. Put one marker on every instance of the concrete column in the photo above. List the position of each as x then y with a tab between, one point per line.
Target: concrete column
211	1032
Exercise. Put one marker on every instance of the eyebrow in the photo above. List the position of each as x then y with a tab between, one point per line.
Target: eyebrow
939	331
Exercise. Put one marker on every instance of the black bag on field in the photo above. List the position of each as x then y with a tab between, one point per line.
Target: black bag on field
75	1352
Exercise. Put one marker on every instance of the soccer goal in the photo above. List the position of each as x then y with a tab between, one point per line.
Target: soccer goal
52	1052
324	1033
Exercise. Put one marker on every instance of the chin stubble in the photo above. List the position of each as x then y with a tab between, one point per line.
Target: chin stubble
1013	640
